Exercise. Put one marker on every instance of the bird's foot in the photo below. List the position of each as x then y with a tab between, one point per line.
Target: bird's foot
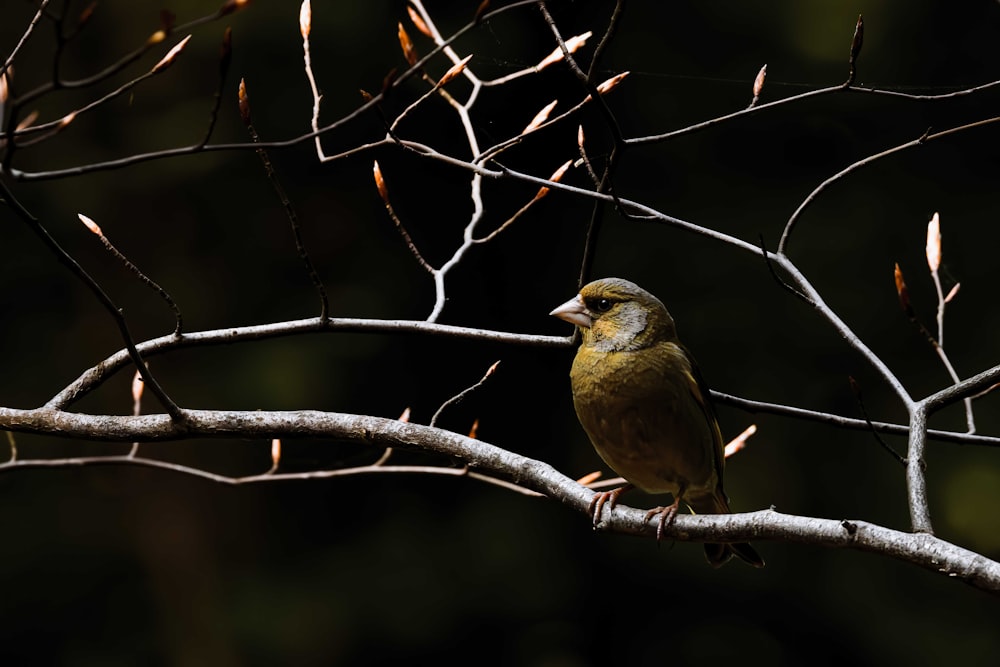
667	516
605	497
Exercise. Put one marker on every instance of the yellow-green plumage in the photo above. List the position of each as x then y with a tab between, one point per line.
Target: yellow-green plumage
639	396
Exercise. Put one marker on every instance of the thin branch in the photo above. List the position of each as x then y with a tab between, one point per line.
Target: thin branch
286	204
454	400
67	260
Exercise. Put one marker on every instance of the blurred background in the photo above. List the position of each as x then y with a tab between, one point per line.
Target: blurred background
124	565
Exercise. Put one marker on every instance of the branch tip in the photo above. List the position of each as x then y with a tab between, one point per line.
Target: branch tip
454	71
305	19
418	22
244	102
405	43
91	225
383	191
540	117
933	249
168	59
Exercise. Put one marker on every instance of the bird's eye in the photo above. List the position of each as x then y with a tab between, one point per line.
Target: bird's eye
602	305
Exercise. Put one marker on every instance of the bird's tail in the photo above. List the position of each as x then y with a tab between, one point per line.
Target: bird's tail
718	554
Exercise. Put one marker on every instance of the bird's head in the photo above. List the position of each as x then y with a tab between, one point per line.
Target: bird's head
618	315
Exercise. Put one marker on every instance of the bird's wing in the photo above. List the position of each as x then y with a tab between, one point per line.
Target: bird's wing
699	390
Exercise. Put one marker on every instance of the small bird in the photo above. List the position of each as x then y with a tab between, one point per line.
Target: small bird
640	397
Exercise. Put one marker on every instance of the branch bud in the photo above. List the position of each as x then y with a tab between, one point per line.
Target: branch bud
611	83
454	71
137	386
572	44
555	177
305	19
758	83
231	6
86	14
418	22
480	10
244	102
933	249
275	453
91	225
383	191
168	59
409	51
740	441
903	292
540	117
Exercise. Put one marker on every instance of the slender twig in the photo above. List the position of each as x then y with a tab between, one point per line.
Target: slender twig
457	398
134	270
67	260
286	204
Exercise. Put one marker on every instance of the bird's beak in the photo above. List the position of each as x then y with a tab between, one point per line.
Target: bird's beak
575	312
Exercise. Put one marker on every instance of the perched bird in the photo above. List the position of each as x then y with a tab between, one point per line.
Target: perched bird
640	397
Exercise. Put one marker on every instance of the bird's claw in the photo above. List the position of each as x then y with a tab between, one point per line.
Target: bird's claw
667	516
605	497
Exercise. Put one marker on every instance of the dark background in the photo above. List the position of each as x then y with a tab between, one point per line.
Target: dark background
122	565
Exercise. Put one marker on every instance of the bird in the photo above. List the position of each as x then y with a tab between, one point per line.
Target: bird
641	399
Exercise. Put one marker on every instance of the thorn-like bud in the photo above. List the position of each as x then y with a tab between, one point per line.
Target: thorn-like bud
157	37
856	41
480	10
27	121
275	453
231	6
952	293
86	14
244	102
758	83
556	177
902	291
383	191
409	51
572	44
365	95
137	386
492	369
305	19
540	117
454	71
418	22
67	119
934	243
474	429
609	85
579	136
740	441
589	478
168	59
405	417
91	225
